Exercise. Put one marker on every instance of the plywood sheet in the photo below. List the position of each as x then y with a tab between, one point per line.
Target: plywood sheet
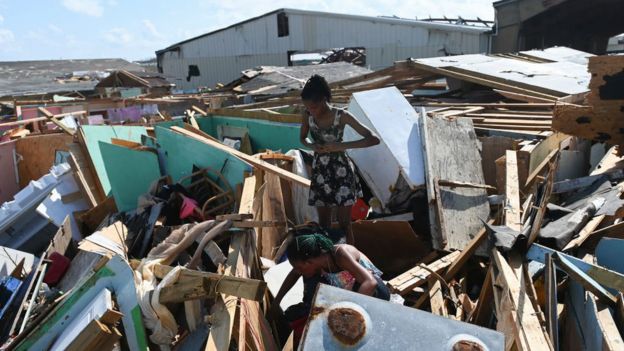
376	239
8	173
452	154
38	154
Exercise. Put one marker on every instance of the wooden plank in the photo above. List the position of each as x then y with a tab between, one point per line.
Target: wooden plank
483	309
536	226
512	193
612	340
214	253
235	217
619	313
262	115
585	233
550	282
523	97
247	198
540	168
62	240
95	336
451	183
436	298
528	330
255	162
198	110
461	209
467	252
258	224
125	143
96	215
418	275
229	285
81	181
273	211
613	231
58	123
83	159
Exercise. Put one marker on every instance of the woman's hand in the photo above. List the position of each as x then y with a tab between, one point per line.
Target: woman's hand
328	147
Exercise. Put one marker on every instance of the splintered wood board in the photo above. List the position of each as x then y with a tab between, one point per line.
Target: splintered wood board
452	154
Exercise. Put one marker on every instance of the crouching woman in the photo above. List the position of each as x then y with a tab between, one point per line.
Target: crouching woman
315	258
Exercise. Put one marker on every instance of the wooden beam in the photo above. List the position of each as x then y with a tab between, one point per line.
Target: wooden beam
214	283
418	275
528	332
585	233
550	282
235	217
538	170
247	198
54	120
95	336
198	110
512	192
436	298
81	181
253	161
465	185
467	252
257	224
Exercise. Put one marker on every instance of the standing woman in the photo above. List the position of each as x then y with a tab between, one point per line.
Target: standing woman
334	184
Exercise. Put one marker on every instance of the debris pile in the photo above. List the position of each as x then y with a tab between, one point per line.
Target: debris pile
492	204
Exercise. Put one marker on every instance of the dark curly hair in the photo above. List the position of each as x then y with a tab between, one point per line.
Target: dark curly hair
315	89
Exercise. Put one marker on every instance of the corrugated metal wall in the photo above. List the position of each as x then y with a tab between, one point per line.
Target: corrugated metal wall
221	56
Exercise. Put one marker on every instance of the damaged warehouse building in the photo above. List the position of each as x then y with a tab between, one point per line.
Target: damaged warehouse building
137	218
273	38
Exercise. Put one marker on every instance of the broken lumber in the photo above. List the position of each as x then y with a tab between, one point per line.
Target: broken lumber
253	161
418	275
527	330
198	284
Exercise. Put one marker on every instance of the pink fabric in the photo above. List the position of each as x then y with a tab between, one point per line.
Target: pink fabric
188	208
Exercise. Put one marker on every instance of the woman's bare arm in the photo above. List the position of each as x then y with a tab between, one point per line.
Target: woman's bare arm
346	261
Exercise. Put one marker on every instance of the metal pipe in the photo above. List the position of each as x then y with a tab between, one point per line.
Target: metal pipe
33	297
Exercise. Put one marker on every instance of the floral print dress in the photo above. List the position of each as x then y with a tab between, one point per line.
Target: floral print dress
334	182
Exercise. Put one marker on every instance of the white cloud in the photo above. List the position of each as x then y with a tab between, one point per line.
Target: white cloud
6	36
118	35
151	28
1	19
86	7
55	29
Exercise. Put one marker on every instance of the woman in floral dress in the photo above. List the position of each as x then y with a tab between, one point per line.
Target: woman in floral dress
334	184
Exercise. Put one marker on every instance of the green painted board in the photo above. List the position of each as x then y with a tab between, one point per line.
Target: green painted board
94	134
130	173
182	152
263	134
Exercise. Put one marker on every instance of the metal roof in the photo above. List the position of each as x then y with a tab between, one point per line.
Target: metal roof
385	19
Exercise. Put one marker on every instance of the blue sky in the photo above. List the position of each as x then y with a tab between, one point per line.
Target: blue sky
134	29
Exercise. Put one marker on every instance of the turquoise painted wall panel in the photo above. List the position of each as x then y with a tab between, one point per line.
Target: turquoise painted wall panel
182	152
95	134
130	173
263	134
